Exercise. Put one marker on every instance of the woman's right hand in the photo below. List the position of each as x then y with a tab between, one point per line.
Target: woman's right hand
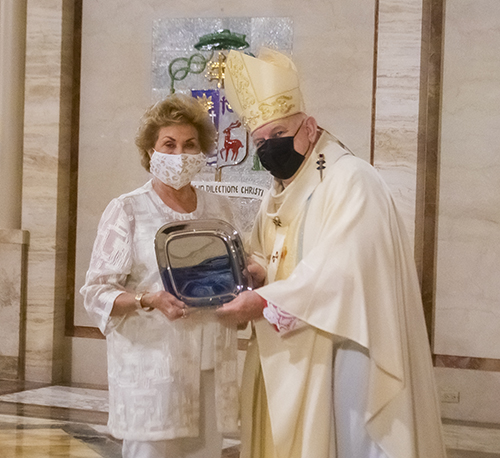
166	303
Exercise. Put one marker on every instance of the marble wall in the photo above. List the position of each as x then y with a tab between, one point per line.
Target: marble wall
12	239
12	50
13	249
333	48
334	51
468	249
45	181
397	101
468	312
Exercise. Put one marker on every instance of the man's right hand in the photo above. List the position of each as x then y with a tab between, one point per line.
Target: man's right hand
247	306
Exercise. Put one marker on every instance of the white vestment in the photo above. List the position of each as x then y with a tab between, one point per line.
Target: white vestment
154	364
341	263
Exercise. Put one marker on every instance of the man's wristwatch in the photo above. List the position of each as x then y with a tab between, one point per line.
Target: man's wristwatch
138	302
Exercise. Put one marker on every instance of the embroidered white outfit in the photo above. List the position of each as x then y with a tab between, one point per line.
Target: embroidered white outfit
339	261
154	364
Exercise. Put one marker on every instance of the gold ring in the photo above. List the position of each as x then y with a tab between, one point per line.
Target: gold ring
184	314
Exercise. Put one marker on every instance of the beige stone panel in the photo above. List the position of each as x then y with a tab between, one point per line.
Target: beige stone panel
397	98
12	42
468	256
90	361
46	143
333	50
12	306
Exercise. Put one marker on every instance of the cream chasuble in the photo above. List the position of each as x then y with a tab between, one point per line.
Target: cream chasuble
345	268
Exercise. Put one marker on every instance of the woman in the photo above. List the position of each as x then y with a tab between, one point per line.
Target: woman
172	381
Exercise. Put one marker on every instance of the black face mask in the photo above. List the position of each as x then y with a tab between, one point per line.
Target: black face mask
278	155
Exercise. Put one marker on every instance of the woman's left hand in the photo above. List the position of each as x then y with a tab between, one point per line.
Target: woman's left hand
166	303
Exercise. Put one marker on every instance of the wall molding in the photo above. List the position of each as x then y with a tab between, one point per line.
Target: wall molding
426	212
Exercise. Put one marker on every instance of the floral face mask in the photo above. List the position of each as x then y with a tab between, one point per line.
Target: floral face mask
176	170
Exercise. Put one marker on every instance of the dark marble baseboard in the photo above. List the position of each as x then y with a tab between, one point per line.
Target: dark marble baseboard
467	362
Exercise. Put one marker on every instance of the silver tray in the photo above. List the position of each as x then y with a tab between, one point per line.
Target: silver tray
201	262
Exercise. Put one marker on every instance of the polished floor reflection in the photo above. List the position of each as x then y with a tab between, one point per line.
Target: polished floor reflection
38	421
38	438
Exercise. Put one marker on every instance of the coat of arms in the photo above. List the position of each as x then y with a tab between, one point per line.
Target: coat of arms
232	143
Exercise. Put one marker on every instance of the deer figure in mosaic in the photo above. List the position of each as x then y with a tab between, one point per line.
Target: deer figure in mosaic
232	145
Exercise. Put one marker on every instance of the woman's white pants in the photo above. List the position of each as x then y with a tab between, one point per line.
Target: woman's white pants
207	445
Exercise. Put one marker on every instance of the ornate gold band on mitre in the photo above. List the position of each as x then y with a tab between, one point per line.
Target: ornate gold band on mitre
262	89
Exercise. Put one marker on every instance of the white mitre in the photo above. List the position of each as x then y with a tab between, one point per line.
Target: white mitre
262	89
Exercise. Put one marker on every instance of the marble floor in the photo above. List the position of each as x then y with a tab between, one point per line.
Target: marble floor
40	421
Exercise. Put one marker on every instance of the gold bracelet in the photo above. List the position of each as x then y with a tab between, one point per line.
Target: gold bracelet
138	302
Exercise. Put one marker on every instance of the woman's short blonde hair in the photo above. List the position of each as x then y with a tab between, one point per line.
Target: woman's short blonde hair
176	109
